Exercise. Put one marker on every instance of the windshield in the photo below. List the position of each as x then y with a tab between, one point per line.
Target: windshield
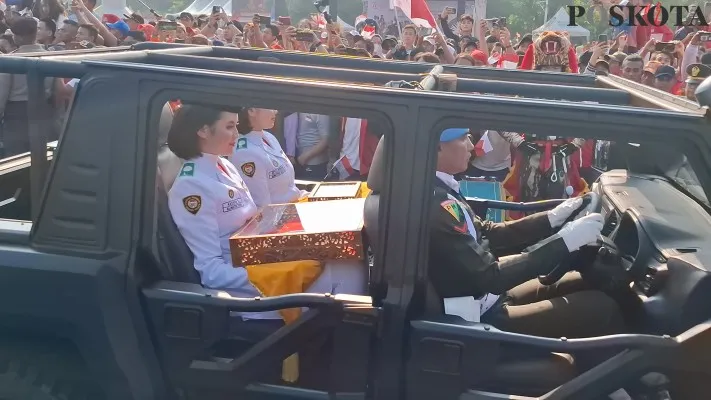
682	174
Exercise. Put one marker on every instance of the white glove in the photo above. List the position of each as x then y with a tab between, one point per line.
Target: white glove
594	202
558	215
582	231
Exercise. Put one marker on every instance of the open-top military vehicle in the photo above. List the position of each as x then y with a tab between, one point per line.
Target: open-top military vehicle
100	299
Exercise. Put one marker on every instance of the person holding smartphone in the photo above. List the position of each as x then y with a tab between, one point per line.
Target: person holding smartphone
271	37
465	27
407	50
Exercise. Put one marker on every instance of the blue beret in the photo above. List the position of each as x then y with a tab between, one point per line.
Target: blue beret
452	133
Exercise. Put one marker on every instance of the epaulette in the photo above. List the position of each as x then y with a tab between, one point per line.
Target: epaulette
188	169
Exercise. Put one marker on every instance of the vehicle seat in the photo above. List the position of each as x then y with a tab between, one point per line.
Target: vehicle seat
172	249
529	376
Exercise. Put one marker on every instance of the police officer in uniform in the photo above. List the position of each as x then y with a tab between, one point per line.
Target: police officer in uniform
504	287
262	163
209	202
696	73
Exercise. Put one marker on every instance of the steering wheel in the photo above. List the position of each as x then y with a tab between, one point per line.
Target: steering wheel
565	266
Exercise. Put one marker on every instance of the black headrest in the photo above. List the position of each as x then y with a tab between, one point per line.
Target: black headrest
376	175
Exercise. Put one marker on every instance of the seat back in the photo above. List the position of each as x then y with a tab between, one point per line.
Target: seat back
172	249
376	177
168	163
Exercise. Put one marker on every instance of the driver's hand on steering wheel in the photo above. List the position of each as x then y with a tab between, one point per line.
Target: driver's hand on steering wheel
582	231
563	211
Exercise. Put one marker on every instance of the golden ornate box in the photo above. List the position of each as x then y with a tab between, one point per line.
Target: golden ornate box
335	191
320	230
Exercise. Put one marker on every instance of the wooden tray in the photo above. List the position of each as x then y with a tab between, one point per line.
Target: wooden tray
323	230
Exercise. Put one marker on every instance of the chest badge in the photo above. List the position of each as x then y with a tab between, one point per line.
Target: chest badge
248	169
192	204
242	143
275	163
231	193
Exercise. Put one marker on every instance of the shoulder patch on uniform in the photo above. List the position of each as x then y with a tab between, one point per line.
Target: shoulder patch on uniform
461	228
454	209
242	143
192	203
188	169
248	169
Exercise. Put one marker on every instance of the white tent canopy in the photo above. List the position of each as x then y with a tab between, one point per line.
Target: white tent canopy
559	22
205	7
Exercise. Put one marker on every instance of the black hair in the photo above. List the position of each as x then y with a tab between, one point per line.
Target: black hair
183	139
50	24
92	2
93	32
24	28
427	57
274	30
633	58
243	125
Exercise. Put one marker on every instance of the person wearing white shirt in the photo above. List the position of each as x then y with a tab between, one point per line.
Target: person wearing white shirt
261	161
209	202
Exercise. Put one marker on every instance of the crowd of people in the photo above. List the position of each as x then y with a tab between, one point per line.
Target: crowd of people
341	148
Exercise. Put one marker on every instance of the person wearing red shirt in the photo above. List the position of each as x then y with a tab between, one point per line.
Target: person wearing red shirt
270	35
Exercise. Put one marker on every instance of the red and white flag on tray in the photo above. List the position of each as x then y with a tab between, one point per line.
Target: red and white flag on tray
483	146
417	11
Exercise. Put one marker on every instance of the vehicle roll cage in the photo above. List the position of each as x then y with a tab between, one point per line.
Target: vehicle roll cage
603	90
625	106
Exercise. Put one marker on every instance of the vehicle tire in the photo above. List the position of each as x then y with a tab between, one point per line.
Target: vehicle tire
43	371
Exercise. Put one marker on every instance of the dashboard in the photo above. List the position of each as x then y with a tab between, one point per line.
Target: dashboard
663	240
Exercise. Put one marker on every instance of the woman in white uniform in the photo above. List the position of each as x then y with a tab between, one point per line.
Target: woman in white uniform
261	162
209	202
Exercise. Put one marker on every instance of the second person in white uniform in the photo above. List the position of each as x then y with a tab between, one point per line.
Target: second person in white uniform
261	162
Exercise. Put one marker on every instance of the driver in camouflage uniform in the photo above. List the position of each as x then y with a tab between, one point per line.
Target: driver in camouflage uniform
482	261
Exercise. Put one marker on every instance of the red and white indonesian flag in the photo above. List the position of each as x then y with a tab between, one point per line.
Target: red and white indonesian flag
417	11
483	146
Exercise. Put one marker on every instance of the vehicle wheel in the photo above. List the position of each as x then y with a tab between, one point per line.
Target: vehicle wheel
30	371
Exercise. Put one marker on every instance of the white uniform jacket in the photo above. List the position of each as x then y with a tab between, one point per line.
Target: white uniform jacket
265	168
208	205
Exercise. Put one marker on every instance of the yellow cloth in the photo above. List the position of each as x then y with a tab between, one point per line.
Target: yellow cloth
278	279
